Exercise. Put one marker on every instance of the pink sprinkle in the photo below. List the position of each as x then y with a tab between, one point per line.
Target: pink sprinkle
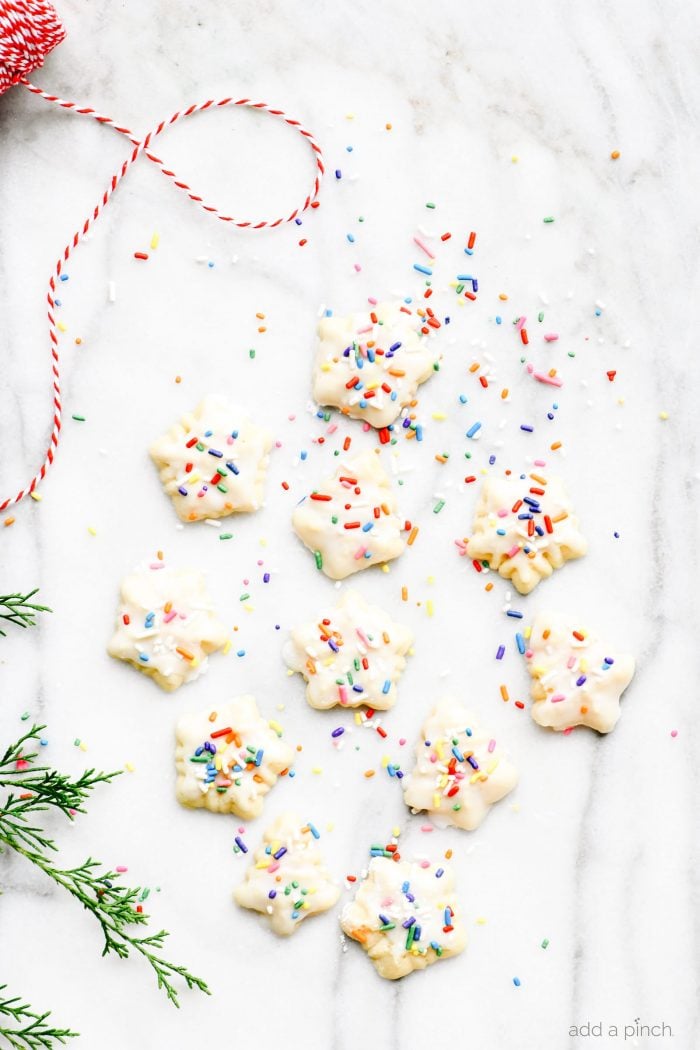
291	417
367	328
360	553
568	731
540	462
169	616
520	323
558	697
551	337
357	267
371	300
530	368
542	377
241	830
246	581
513	551
121	868
332	428
343	694
278	444
424	247
362	636
402	741
529	654
427	827
571	661
425	864
366	426
260	561
229	440
273	867
503	513
492	744
157	565
674	732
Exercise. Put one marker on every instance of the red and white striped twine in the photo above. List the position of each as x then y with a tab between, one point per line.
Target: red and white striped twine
23	44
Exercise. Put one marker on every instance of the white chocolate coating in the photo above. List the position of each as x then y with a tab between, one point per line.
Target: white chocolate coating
166	625
289	881
575	681
371	370
350	655
229	757
501	533
460	769
366	530
223	471
386	895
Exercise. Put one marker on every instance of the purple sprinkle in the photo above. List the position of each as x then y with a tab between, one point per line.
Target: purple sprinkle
280	853
384	919
182	491
581	680
439	873
408	923
500	652
609	661
215	452
241	844
266	577
394	347
472	762
272	894
527	427
338	732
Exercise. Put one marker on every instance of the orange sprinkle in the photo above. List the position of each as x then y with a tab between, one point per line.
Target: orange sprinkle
369	773
212	716
9	521
262	328
448	854
404	594
488	587
615	155
503	297
260	317
577	634
475	367
504	693
396	372
346	443
412	536
546	634
184	653
504	393
178	379
539	479
555	446
561	516
168	607
440	458
285	486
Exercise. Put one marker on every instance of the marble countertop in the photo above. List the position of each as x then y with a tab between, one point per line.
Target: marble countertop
500	117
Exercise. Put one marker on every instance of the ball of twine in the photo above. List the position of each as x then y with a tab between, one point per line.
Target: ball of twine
29	31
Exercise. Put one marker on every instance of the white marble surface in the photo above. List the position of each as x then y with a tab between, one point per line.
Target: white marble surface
598	851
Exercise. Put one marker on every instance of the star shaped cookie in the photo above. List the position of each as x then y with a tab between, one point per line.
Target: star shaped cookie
289	881
350	655
577	680
350	521
213	462
166	625
370	364
405	916
525	528
460	770
229	757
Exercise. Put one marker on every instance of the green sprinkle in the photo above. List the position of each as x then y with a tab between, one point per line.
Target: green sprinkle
318	558
387	926
459	289
571	353
199	758
79	419
221	487
545	943
436	366
251	354
438	506
409	937
225	535
76	742
540	316
25	716
244	597
430	204
548	218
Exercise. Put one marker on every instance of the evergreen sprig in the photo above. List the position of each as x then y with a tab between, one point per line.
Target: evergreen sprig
23	1029
19	609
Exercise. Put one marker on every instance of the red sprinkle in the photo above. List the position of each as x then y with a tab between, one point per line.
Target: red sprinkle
472	240
524	336
140	255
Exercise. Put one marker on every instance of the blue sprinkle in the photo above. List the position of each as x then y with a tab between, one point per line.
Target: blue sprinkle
241	844
182	491
298	222
65	277
499	320
233	468
266	577
280	853
272	894
423	269
516	982
350	238
473	429
386	687
463	398
515	614
314	830
240	652
394	347
520	642
338	173
259	757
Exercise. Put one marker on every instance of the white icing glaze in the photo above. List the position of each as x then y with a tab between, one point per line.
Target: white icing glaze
354	642
445	781
289	854
572	682
166	625
360	496
385	361
386	895
223	472
245	755
501	537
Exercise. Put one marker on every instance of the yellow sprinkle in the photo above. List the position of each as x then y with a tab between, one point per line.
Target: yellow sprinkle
129	767
437	801
92	530
249	608
263	543
385	761
429	607
227	646
439	416
325	367
61	327
290	672
36	496
155	241
275	726
83	746
663	415
263	864
396	831
317	769
281	707
527	632
385	567
481	921
514	160
431	579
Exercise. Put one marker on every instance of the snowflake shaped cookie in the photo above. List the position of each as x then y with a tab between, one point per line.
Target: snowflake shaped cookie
350	522
405	916
460	770
370	365
229	757
166	625
289	881
351	655
576	679
213	463
525	528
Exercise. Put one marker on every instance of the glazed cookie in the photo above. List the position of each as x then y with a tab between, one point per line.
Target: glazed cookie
228	758
460	770
351	655
213	463
370	365
289	881
576	679
350	522
525	528
166	625
405	916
